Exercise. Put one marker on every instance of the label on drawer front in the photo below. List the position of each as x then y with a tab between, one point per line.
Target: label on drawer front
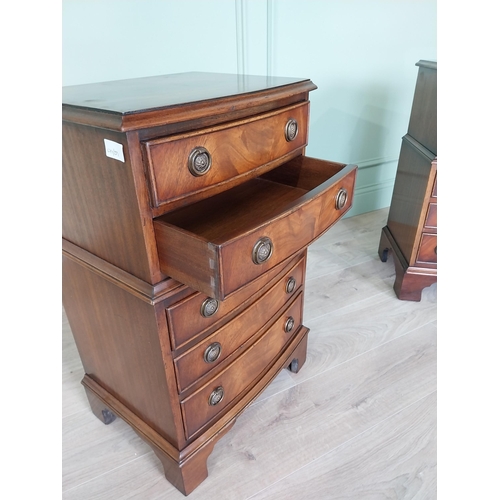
114	150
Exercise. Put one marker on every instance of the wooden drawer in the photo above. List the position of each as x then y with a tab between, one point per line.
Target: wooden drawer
431	218
427	252
230	338
204	314
197	409
220	244
230	153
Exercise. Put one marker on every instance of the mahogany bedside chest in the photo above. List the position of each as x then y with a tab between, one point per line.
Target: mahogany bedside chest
411	230
188	207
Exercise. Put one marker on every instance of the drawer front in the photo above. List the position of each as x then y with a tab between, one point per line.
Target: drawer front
204	313
180	166
287	235
210	400
431	219
224	343
219	245
427	253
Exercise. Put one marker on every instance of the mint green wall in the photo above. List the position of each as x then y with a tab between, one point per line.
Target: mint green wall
360	53
113	39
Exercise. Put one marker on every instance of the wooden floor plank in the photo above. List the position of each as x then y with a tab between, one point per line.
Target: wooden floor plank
330	292
139	479
91	448
360	326
350	242
394	459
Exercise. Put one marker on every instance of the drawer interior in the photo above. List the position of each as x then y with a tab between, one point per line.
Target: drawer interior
233	213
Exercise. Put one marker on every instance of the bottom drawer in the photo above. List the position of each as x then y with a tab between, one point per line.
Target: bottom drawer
211	399
427	252
431	219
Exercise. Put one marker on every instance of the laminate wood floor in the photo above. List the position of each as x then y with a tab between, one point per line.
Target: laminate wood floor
357	422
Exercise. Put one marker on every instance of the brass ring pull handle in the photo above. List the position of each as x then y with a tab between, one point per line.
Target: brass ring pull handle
290	322
209	307
262	250
341	199
216	397
291	130
199	161
212	352
290	284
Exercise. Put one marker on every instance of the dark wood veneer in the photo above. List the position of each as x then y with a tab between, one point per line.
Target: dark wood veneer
411	230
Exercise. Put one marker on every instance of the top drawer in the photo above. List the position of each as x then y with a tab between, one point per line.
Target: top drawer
218	245
183	165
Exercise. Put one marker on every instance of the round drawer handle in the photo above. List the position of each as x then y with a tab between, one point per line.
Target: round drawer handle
199	161
290	284
341	199
212	352
291	130
290	322
262	250
209	307
216	397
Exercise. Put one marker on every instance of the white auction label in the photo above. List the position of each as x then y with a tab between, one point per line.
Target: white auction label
114	150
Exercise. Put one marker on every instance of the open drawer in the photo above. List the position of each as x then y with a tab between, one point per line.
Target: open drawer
220	244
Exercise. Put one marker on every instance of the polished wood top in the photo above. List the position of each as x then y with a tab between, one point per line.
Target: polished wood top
138	102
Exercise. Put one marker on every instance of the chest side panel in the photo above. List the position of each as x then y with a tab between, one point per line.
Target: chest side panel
410	197
117	337
100	209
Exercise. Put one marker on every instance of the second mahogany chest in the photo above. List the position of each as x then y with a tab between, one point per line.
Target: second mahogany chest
411	230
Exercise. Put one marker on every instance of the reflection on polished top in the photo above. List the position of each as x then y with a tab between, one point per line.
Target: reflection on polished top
164	91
